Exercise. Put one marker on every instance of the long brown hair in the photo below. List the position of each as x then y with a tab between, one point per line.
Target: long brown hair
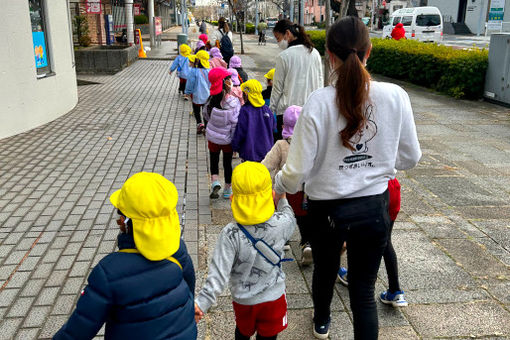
348	40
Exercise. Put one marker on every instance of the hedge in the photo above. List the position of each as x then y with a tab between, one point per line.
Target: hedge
319	40
458	73
250	28
141	19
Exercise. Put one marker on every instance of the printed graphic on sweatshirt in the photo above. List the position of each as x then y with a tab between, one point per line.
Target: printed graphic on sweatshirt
360	157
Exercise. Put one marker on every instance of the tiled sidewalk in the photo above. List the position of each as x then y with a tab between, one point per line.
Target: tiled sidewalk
56	219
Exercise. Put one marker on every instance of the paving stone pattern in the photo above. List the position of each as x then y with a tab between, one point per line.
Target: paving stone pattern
452	235
56	220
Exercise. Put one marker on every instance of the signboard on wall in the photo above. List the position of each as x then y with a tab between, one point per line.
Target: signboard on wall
136	9
41	58
93	6
496	13
158	28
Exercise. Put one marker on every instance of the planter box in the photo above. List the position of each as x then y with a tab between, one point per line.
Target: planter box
104	59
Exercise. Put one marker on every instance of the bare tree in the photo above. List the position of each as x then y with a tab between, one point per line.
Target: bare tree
236	9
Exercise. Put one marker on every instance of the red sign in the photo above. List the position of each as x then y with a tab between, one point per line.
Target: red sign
93	6
136	9
157	25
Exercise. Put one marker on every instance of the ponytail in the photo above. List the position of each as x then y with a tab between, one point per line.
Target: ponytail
348	40
296	30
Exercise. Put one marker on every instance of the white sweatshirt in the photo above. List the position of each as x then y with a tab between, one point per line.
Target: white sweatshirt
330	170
298	72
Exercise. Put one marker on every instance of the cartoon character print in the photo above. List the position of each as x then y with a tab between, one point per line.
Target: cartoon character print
360	140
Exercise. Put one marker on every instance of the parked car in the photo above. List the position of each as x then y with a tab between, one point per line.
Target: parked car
420	23
271	22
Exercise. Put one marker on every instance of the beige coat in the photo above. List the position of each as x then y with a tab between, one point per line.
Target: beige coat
277	156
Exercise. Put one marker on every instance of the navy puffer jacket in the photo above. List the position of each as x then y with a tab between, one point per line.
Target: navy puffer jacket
137	298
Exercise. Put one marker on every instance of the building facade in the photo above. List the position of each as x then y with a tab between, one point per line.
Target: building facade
473	13
37	74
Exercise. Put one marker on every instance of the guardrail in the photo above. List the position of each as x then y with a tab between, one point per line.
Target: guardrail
505	27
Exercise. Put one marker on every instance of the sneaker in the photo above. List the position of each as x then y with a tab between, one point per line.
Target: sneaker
306	254
396	299
286	247
227	192
342	276
185	97
200	128
321	331
215	187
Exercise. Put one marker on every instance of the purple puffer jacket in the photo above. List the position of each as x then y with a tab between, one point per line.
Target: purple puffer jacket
221	124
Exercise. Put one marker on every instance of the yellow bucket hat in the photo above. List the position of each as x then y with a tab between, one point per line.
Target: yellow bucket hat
185	50
203	56
149	200
253	89
252	194
192	58
270	74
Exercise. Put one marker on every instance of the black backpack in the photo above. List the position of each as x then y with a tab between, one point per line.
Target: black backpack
226	48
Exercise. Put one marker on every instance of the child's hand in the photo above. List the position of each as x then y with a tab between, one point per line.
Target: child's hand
277	197
198	314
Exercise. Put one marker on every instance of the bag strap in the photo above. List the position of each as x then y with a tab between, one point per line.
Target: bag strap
135	251
254	240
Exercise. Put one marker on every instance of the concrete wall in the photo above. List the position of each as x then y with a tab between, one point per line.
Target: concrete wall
28	102
449	8
473	12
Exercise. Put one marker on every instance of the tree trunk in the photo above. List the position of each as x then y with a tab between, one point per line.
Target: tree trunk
238	26
344	6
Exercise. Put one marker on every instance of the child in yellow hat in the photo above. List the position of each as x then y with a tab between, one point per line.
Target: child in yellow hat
146	289
181	64
253	137
198	85
247	256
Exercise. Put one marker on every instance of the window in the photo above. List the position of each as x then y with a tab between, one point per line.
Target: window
428	20
396	20
407	21
39	38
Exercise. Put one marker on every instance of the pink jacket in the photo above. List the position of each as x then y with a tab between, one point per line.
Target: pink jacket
222	124
217	62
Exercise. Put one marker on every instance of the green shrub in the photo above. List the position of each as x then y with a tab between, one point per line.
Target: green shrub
141	19
458	73
214	23
250	28
319	40
81	28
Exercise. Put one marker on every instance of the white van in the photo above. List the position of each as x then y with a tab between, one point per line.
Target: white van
420	23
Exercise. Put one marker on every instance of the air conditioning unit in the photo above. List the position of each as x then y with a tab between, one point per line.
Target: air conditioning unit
497	80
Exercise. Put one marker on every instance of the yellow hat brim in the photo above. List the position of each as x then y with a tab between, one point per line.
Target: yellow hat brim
253	208
205	63
256	100
192	58
157	238
114	199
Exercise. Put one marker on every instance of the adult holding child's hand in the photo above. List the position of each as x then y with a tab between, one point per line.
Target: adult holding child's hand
347	143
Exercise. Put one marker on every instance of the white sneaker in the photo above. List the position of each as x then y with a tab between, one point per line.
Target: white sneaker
306	255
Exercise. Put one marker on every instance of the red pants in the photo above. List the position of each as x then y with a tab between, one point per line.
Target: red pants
267	318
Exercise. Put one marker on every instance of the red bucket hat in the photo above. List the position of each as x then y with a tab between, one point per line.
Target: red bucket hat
216	76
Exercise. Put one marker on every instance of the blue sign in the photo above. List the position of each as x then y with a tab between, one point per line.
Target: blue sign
41	58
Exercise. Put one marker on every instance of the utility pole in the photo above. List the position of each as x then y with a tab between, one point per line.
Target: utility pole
480	19
302	12
326	61
256	17
291	10
130	29
151	22
184	17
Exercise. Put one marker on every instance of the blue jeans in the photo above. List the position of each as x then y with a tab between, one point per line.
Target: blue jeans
363	223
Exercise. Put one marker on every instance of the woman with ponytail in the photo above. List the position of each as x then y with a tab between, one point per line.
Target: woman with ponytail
298	70
347	143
